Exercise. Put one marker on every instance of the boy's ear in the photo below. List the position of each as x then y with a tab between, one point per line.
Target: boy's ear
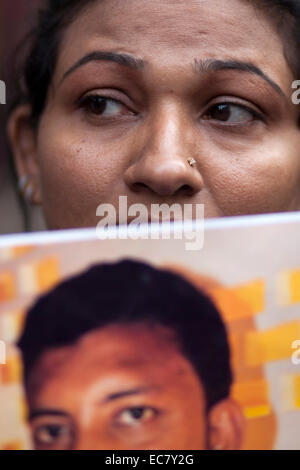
226	425
23	143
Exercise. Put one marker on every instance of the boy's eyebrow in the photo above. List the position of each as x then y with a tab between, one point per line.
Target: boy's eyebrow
204	66
119	58
129	392
199	65
36	413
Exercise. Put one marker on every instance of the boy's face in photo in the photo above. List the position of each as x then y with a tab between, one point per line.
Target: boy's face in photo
206	79
125	387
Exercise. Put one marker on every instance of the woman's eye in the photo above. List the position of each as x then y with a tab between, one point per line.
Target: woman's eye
135	416
231	113
51	434
102	106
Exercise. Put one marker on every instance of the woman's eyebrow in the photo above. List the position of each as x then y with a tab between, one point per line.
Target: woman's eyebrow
199	66
205	66
126	60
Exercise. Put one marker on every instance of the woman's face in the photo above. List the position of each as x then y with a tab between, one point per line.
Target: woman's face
201	79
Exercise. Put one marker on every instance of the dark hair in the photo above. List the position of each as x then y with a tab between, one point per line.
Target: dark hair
44	40
57	14
132	292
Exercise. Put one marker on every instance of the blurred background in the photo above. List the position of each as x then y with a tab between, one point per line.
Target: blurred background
16	18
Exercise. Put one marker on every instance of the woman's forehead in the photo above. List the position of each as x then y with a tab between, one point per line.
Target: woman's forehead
164	32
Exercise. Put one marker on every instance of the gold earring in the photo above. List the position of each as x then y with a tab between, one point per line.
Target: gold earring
23	182
192	162
26	188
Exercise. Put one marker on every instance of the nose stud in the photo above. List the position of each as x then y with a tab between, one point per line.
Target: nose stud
192	162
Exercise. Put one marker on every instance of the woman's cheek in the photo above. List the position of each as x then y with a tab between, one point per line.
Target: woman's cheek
76	176
264	179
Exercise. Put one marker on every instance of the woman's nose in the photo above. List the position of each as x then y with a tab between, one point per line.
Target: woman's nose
167	164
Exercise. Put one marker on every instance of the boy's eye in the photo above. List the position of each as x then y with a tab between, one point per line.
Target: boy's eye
136	415
52	434
102	106
231	113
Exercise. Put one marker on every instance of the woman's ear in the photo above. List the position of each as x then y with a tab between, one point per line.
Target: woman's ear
226	425
23	142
